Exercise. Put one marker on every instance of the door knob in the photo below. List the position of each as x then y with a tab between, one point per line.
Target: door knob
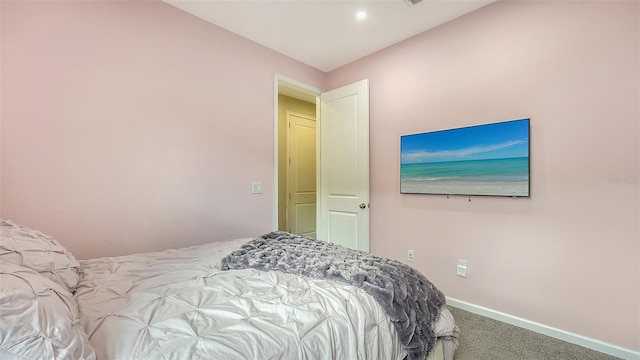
363	205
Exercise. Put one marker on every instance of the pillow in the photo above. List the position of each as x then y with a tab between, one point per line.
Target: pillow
40	318
30	248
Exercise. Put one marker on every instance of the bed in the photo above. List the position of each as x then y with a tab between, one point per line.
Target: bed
235	299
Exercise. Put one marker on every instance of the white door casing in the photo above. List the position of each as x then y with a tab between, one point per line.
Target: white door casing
301	174
343	191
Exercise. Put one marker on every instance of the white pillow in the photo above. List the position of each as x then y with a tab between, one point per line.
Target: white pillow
30	248
40	318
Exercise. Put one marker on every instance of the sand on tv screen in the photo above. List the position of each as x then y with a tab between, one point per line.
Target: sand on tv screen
489	159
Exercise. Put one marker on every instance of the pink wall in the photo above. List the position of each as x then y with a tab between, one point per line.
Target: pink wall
133	126
1	86
569	256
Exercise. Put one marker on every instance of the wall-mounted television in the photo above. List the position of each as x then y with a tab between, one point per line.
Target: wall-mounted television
489	159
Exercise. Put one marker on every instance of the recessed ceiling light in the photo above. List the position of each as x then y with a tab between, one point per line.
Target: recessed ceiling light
361	15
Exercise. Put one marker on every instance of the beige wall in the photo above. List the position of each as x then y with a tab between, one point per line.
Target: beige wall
287	103
568	257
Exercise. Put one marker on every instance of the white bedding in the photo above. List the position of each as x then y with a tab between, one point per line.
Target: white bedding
177	304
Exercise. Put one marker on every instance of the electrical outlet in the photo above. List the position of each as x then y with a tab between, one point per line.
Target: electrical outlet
410	255
461	270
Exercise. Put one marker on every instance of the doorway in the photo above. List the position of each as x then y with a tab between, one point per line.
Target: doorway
296	147
342	161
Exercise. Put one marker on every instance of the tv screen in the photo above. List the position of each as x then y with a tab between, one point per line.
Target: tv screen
490	159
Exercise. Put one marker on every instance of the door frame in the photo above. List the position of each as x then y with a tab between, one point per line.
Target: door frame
307	90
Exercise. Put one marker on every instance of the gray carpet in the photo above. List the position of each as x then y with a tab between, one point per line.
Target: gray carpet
482	338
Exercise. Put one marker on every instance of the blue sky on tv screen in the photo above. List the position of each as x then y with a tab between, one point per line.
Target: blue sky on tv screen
491	141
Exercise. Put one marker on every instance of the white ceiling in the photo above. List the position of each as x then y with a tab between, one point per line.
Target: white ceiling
325	33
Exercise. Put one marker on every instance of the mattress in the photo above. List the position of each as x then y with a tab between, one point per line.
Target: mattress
178	304
438	352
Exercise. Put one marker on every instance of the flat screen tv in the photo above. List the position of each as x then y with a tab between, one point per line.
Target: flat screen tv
489	159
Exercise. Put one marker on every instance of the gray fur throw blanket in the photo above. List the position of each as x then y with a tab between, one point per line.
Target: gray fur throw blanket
410	300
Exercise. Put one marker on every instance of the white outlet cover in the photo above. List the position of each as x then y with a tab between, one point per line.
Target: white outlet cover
462	271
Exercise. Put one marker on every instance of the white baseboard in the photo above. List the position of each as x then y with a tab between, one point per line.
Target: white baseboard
583	341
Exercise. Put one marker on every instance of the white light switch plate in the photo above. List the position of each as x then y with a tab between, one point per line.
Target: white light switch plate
256	187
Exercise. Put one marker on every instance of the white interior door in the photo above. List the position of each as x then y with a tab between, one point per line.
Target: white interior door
343	191
301	175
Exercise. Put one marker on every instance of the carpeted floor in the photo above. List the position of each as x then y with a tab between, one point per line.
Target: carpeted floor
482	338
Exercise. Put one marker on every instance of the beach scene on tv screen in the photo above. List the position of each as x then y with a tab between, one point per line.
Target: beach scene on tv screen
489	159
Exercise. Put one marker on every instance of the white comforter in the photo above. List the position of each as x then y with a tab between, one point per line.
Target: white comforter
178	304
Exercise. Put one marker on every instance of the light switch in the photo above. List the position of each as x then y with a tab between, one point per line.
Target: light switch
256	187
